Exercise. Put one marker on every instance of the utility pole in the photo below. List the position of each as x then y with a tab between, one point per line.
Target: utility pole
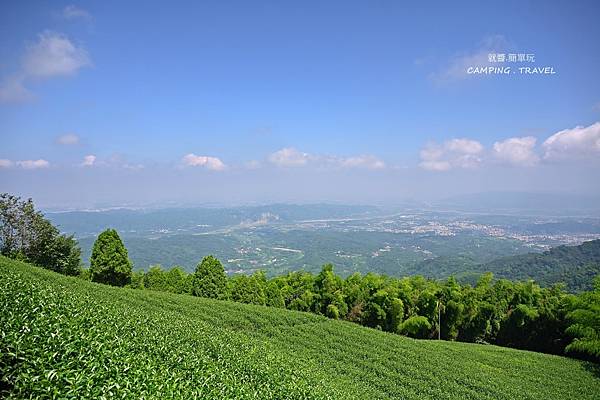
439	321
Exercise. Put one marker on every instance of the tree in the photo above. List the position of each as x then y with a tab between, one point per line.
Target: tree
110	263
396	315
210	279
585	324
67	255
26	235
298	291
137	280
332	311
517	328
248	289
178	281
416	326
273	295
155	279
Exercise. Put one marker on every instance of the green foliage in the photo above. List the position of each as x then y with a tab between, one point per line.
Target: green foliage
416	326
585	324
332	312
576	266
396	315
155	279
137	280
209	279
63	337
248	289
110	263
85	274
512	314
175	280
26	235
273	295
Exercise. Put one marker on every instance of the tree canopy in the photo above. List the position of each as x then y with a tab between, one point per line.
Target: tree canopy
109	262
26	235
210	279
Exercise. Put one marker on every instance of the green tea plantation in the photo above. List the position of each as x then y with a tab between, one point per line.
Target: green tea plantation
63	337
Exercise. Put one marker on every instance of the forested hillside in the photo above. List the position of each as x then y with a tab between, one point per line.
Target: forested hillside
66	337
575	266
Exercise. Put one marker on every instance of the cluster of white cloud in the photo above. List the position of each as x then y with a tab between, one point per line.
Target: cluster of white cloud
290	157
53	55
24	164
455	153
518	151
211	163
574	144
89	160
363	161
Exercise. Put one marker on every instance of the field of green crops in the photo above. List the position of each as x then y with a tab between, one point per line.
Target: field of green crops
63	337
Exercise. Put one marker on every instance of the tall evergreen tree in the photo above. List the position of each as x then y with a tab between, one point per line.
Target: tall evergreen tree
210	279
110	263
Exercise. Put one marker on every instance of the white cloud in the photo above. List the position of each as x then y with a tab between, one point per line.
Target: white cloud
68	139
54	55
74	12
433	165
51	56
289	157
25	164
12	90
4	163
211	163
33	164
457	67
133	167
88	160
363	161
575	143
464	146
455	153
115	161
518	151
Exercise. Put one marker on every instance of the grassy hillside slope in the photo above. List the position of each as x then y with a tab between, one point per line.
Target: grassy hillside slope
63	337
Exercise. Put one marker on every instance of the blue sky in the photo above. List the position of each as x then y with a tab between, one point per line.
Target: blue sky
304	101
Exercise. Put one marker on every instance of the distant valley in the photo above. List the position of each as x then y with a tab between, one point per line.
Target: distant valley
280	238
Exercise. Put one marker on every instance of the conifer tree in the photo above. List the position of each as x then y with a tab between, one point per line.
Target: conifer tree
110	263
210	279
